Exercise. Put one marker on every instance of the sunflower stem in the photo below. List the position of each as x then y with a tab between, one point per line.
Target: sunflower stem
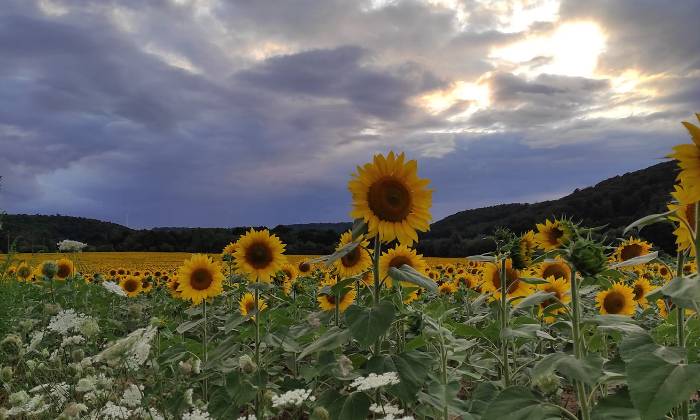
258	398
680	327
204	344
504	323
578	344
377	284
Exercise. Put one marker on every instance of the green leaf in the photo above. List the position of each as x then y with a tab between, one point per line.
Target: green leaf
685	291
440	395
482	258
408	274
615	407
340	253
188	325
642	259
657	386
518	403
356	406
587	370
533	299
646	221
359	228
368	324
330	340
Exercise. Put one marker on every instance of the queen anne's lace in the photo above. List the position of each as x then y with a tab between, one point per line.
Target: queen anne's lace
372	381
292	398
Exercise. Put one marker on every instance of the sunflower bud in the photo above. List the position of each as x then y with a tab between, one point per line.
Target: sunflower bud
320	413
11	347
77	355
49	269
588	257
547	384
6	374
521	250
247	364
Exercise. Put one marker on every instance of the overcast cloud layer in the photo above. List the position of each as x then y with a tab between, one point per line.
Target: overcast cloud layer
221	113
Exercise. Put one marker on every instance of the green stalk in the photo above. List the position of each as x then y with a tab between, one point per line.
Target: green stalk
680	323
377	285
258	398
504	323
204	344
337	310
578	344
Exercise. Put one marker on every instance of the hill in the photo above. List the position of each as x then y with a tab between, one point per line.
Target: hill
613	203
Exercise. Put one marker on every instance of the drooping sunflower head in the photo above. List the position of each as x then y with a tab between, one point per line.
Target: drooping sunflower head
553	235
688	157
388	195
447	288
305	268
247	305
661	306
47	269
199	278
65	269
557	268
131	285
327	302
173	285
641	288
522	250
560	288
684	207
229	249
631	248
618	300
146	284
491	281
397	257
259	255
288	273
689	268
354	262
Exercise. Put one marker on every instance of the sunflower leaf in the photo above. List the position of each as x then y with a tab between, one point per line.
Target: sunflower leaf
646	221
409	274
482	258
332	339
642	259
368	324
338	254
359	228
533	299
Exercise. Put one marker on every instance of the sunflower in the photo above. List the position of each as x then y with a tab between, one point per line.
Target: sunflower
289	272
229	249
247	305
557	268
354	262
523	250
664	272
305	268
467	280
131	286
552	235
146	285
173	285
412	296
684	214
112	272
618	300
388	195
631	248
260	255
560	287
200	278
327	302
121	271
398	256
447	288
24	272
641	288
491	281
661	306
689	268
65	269
688	157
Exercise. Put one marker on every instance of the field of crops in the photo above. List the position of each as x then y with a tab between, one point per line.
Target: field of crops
553	323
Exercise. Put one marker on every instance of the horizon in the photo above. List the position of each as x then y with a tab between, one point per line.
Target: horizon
256	114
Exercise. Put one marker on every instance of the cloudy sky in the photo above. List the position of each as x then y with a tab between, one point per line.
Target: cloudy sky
252	112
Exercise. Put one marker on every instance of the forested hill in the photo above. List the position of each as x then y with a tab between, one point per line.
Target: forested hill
613	203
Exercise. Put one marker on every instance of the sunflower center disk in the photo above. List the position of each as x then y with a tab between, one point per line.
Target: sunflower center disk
259	255
638	292
614	303
557	271
351	258
399	261
512	279
555	234
63	271
131	285
390	200
690	214
201	279
631	251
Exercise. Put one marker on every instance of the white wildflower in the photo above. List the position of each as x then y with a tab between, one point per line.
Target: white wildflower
59	391
87	384
113	411
73	340
248	417
68	245
196	414
292	398
132	396
32	407
37	336
372	381
66	321
132	350
114	288
188	397
393	417
196	366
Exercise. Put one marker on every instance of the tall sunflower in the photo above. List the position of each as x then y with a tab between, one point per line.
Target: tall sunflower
260	255
200	278
688	156
552	235
641	288
398	256
557	268
354	262
618	300
229	249
491	281
661	306
631	248
684	207
65	269
327	302
131	286
524	249
388	195
247	305
560	287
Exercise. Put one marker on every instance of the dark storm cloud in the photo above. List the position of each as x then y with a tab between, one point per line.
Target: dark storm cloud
246	112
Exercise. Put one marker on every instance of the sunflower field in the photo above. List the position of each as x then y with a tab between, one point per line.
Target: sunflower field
555	323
